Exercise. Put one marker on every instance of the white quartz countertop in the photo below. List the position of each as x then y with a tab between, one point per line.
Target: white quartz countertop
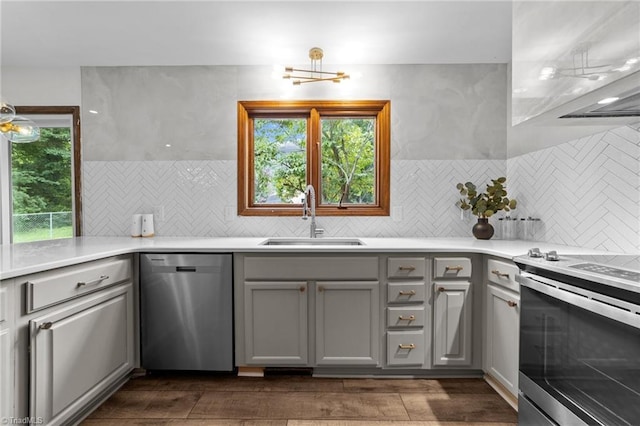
26	258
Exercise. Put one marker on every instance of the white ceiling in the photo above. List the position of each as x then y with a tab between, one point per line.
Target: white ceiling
117	33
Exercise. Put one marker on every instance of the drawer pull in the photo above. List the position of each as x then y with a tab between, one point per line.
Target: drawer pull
407	292
407	268
441	289
500	274
45	325
409	318
512	304
409	346
94	282
302	289
453	268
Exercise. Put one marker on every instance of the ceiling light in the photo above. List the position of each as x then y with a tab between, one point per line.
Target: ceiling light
15	128
606	101
93	111
314	74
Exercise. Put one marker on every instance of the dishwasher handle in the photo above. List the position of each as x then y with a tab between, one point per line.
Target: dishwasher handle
186	269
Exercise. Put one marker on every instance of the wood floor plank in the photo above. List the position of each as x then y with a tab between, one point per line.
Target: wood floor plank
389	423
458	407
471	386
190	382
182	422
300	405
148	405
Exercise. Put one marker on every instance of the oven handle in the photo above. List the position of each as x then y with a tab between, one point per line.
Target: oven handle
611	308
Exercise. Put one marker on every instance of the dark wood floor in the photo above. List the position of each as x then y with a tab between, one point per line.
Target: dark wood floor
171	399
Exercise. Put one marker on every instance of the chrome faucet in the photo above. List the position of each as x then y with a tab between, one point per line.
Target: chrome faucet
310	192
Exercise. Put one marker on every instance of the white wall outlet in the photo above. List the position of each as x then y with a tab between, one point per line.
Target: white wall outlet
396	213
229	213
158	213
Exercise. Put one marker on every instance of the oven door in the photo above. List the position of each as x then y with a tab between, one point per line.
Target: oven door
579	354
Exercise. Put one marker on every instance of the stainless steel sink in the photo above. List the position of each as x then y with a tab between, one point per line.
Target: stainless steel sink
312	242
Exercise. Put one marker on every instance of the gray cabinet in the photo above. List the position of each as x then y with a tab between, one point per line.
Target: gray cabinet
6	354
306	310
347	323
502	323
452	323
275	318
77	351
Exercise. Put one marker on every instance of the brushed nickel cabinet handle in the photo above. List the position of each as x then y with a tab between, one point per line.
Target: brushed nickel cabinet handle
407	293
45	325
512	304
500	274
453	268
409	346
94	282
409	318
407	268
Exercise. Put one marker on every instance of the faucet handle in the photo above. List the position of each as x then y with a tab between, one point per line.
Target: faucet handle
318	231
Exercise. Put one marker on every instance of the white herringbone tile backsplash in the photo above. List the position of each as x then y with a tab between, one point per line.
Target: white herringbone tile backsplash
587	191
198	197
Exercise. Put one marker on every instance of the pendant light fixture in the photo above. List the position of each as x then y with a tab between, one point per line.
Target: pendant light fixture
15	128
315	74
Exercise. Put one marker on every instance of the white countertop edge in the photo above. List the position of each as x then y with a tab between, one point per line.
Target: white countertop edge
27	258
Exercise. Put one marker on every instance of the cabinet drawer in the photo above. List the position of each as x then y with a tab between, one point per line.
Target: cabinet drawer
405	316
503	273
405	347
405	292
406	267
310	268
452	267
52	287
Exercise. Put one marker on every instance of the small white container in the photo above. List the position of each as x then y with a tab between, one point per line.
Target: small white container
147	225
136	225
509	229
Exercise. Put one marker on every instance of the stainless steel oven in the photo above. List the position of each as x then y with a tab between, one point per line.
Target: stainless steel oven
579	343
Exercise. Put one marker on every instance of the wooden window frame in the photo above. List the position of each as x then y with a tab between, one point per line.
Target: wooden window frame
74	112
313	111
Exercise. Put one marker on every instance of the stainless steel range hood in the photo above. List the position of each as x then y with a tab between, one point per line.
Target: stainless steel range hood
627	105
587	110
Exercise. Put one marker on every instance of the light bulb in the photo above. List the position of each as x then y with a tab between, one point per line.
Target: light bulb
7	112
20	130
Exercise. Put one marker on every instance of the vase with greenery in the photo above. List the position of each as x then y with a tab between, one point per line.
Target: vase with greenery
485	204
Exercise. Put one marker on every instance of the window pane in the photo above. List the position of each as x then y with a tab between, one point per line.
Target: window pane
42	189
348	160
280	160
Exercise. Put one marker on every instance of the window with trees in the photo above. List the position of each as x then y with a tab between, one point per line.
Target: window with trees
41	196
342	148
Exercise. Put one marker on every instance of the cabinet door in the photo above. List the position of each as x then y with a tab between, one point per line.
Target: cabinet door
276	323
503	322
347	323
452	323
78	351
6	378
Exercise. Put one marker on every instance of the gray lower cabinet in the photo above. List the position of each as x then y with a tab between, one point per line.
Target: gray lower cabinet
275	318
452	327
501	349
347	323
6	352
77	351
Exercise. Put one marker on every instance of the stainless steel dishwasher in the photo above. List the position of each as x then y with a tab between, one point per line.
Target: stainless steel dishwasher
186	311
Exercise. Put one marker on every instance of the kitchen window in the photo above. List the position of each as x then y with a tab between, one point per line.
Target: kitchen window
41	180
342	148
